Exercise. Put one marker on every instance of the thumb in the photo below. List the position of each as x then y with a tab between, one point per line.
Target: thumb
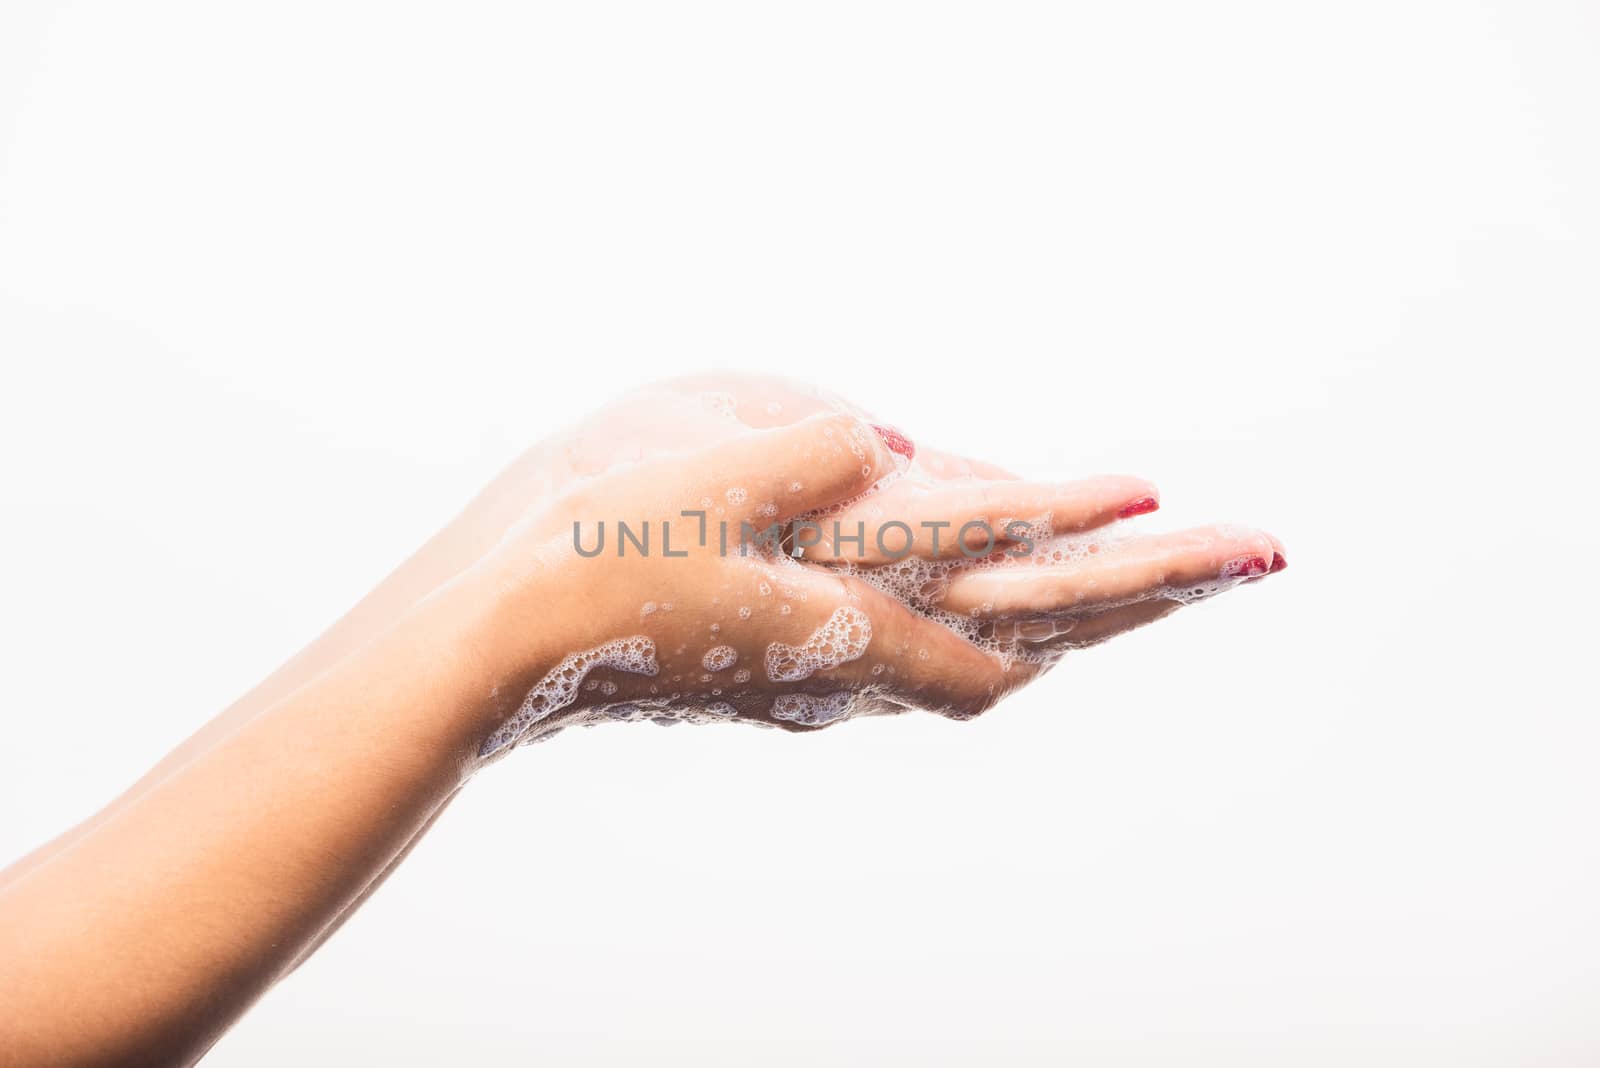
820	461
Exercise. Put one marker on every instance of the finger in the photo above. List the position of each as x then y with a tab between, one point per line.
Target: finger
972	518
1114	622
767	476
923	663
1279	560
947	465
1189	563
1082	632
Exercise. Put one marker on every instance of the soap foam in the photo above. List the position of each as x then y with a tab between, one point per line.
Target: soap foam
810	710
844	637
719	658
558	689
921	584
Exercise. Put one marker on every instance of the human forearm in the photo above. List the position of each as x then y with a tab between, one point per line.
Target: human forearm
452	550
144	939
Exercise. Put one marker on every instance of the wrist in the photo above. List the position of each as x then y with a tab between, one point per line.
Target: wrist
507	622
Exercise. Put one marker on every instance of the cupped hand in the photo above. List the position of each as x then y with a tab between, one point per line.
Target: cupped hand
696	623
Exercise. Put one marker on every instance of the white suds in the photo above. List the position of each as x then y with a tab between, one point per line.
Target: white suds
719	658
558	689
803	708
844	637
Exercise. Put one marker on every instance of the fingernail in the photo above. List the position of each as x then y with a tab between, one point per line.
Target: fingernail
1245	567
1141	506
897	442
1278	563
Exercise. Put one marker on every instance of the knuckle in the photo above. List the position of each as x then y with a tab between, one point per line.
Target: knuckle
840	425
846	451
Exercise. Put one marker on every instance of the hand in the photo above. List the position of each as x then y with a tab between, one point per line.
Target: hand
718	635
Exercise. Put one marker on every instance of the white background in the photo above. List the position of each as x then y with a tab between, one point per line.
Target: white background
281	285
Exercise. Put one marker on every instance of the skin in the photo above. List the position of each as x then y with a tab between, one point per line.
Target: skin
142	934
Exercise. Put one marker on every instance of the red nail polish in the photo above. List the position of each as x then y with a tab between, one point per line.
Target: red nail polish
1142	506
1278	563
897	442
1245	567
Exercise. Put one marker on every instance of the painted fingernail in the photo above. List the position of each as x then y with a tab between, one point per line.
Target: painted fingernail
1245	567
1278	563
897	442
1142	506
